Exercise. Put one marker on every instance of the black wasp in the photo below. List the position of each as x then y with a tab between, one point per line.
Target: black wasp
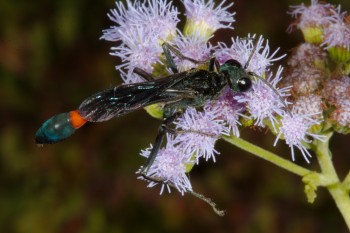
177	92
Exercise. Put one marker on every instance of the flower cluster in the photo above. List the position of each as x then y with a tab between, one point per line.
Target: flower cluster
324	24
140	30
318	70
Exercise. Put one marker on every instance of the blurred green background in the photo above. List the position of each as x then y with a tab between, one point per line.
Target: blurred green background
51	59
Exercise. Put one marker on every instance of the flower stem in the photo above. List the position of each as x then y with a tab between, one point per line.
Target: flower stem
267	155
337	189
347	180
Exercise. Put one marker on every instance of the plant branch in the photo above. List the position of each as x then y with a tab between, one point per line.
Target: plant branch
337	189
267	155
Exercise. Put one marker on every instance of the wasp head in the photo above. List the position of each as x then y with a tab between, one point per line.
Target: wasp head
237	78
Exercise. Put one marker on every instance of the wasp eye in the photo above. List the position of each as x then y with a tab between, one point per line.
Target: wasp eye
233	62
244	84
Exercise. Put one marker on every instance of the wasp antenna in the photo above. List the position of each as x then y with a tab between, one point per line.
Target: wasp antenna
253	51
273	89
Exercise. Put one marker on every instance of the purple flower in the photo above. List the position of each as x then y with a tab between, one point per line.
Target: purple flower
195	46
311	16
338	31
341	114
310	104
139	49
140	27
336	90
154	16
263	102
204	17
241	50
200	132
228	109
169	167
294	129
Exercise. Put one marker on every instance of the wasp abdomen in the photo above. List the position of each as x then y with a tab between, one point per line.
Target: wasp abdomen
59	127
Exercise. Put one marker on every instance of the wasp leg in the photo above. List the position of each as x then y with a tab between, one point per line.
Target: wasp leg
213	63
159	140
143	74
177	53
169	58
175	132
190	94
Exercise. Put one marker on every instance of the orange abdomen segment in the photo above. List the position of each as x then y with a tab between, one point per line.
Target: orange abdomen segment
76	119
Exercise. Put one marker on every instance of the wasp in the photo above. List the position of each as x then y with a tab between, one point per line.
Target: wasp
176	92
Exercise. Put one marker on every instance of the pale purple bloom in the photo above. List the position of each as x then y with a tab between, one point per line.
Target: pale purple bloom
154	16
228	109
194	46
204	13
262	100
130	77
201	131
169	167
294	129
241	50
338	32
342	113
121	16
139	49
139	27
336	90
313	15
309	104
305	54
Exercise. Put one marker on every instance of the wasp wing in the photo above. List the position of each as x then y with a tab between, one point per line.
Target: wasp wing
123	99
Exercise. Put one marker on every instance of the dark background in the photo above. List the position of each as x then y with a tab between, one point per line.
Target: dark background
51	59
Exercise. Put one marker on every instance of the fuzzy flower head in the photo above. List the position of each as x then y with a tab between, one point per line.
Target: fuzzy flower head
294	129
228	109
341	117
200	132
204	18
311	20
139	27
155	16
169	167
241	50
195	46
336	90
305	79
310	104
130	77
265	101
313	15
337	34
139	49
307	54
306	69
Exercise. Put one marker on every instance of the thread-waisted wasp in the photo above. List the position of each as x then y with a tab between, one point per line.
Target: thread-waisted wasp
177	91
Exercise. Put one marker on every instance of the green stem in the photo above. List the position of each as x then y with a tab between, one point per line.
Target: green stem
264	154
347	180
337	189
